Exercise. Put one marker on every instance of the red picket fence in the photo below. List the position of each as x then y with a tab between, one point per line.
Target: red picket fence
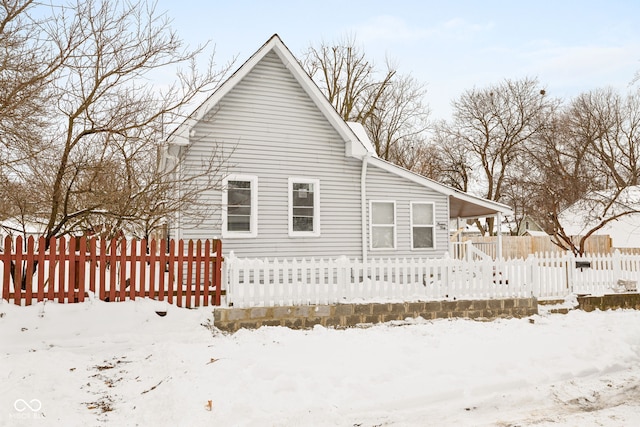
187	274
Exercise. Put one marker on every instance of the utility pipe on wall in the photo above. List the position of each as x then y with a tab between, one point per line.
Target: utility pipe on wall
363	201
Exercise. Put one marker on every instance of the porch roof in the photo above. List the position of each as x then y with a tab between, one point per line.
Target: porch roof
464	205
461	204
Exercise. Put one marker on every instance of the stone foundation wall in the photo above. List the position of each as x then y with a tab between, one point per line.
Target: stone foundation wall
609	302
349	315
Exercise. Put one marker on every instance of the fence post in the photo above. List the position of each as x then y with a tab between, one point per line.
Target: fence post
342	265
231	274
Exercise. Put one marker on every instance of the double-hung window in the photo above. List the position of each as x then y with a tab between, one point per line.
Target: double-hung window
304	207
240	206
382	222
422	225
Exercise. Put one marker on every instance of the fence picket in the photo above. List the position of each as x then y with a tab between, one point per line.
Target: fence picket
171	274
152	260
207	275
40	260
71	294
133	271
103	270
180	273
122	270
6	264
198	272
218	282
81	269
28	268
17	280
62	264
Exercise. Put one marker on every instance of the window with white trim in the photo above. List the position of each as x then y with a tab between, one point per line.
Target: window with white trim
422	225
304	207
382	220
240	206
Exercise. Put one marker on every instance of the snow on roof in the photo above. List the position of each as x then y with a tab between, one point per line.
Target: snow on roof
585	214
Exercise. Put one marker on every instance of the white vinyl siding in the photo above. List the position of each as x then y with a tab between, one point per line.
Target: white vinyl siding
304	207
383	225
422	225
240	206
268	127
380	185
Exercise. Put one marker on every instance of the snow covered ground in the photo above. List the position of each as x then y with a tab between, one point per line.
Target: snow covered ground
121	364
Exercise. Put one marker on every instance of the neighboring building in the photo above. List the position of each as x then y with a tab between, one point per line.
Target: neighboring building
584	215
302	182
529	227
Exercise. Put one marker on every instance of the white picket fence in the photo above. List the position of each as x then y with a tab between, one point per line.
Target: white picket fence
273	282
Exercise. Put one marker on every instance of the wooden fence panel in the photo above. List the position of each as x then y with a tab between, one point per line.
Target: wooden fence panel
523	246
65	270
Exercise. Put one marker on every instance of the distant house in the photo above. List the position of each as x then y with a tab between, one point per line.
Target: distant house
584	215
529	227
302	182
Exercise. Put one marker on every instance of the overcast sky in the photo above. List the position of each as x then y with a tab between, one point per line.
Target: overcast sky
451	46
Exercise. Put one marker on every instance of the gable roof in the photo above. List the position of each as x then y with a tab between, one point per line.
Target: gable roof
357	143
355	148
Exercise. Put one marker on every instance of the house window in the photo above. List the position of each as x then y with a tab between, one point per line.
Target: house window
304	207
422	226
240	206
383	225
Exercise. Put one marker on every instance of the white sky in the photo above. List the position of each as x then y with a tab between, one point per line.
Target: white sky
451	46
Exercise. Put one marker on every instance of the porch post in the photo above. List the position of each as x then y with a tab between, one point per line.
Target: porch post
456	250
499	235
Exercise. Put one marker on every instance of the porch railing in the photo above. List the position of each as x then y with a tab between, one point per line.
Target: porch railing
469	251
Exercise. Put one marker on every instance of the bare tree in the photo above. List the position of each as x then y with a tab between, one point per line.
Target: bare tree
590	161
390	106
453	158
98	157
489	131
398	123
27	67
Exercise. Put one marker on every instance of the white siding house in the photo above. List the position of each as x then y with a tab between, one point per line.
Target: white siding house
300	182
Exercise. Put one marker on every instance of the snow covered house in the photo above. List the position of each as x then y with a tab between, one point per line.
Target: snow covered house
300	182
586	214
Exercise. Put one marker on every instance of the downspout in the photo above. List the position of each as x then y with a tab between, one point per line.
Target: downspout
363	202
